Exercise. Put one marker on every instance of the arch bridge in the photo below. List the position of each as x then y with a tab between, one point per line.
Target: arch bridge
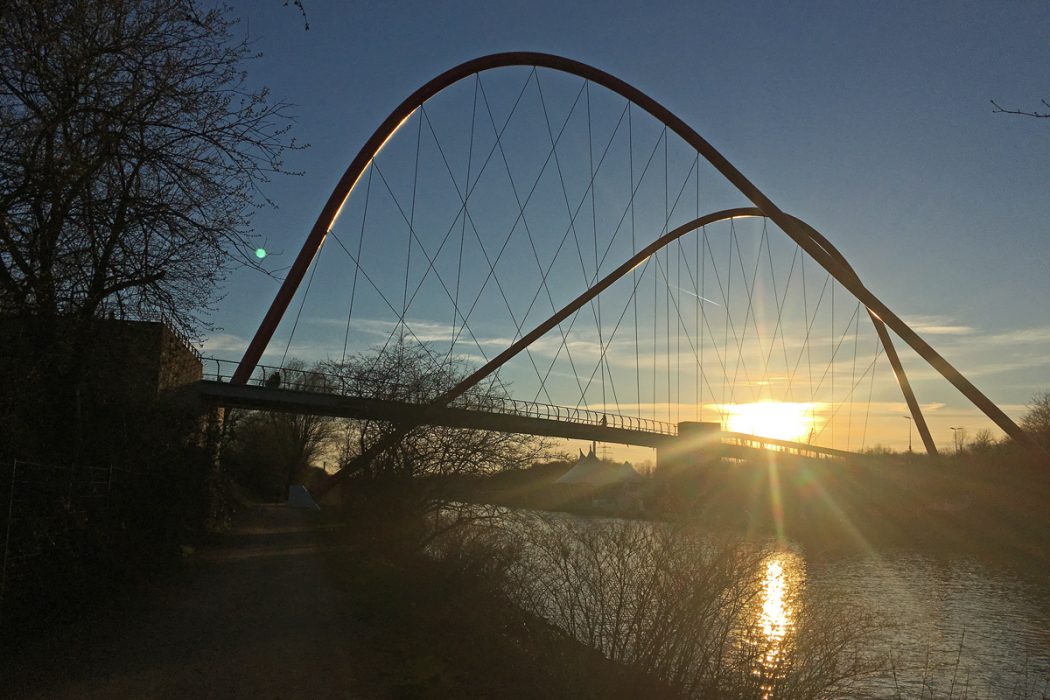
526	234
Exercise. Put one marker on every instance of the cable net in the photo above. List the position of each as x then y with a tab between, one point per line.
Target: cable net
505	196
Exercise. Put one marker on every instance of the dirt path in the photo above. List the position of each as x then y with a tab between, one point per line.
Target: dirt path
257	616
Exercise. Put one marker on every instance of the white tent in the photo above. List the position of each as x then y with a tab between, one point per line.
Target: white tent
592	471
299	497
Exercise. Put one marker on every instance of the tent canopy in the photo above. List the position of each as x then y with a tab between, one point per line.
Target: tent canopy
592	471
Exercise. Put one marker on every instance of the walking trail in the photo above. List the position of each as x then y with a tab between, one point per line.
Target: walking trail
257	616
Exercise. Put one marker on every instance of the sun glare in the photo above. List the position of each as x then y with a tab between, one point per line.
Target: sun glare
772	419
776	613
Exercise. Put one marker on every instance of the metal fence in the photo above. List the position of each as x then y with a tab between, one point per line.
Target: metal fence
298	379
42	505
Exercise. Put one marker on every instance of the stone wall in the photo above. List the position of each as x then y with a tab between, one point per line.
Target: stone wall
180	363
115	360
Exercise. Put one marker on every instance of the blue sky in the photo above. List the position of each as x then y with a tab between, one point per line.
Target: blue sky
871	121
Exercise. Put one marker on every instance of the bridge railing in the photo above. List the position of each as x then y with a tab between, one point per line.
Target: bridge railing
563	414
775	445
299	379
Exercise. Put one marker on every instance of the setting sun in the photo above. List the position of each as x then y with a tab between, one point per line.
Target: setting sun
773	419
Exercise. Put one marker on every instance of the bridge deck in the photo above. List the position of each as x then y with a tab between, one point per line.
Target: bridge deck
514	417
324	404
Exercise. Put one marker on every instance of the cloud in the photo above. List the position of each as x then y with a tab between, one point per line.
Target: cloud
936	325
223	344
1003	367
1020	336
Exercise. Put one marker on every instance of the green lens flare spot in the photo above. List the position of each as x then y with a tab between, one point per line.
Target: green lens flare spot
260	253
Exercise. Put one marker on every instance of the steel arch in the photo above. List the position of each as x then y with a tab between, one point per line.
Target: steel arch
795	229
828	252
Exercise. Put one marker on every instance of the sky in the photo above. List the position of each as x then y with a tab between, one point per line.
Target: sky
871	121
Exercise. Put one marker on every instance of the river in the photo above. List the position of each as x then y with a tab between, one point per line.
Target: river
953	626
944	626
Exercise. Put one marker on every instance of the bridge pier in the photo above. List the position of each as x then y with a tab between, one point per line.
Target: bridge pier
683	463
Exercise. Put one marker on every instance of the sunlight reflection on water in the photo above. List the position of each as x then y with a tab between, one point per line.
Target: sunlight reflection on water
775	617
948	625
781	585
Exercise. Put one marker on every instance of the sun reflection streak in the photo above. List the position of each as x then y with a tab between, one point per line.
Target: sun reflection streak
776	613
776	503
775	619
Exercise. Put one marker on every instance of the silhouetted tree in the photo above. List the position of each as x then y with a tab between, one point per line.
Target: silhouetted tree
1037	420
411	481
983	442
269	451
132	150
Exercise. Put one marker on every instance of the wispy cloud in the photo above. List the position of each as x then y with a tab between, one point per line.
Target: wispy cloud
937	325
1020	336
223	344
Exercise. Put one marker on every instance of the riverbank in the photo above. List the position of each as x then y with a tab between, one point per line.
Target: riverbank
989	512
296	604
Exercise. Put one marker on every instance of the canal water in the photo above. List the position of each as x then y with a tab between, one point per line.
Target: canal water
949	626
940	627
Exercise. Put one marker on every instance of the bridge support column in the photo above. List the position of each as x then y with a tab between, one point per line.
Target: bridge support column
214	432
684	462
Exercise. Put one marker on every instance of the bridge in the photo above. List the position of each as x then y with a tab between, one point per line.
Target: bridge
570	258
309	392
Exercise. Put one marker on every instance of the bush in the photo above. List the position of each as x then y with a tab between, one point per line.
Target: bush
672	607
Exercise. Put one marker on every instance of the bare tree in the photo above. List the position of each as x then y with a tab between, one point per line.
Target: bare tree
132	150
411	481
272	450
671	603
983	442
1037	420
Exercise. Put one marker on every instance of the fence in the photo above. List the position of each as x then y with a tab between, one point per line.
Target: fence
300	379
43	507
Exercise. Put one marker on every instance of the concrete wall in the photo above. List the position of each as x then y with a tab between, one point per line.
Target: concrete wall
117	360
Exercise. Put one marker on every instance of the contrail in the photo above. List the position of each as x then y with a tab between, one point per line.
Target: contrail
709	301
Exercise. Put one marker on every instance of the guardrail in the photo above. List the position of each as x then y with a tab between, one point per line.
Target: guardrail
181	336
775	445
362	386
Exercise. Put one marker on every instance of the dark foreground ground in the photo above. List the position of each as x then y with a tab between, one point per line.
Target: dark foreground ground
289	604
258	615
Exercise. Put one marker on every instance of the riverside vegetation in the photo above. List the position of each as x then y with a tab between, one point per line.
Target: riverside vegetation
663	607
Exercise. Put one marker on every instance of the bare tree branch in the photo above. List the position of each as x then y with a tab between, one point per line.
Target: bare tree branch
298	4
133	153
1022	112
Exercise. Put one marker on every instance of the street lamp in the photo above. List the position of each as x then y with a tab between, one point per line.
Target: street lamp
955	437
908	418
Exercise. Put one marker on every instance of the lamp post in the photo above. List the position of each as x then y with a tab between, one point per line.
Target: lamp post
909	419
955	437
